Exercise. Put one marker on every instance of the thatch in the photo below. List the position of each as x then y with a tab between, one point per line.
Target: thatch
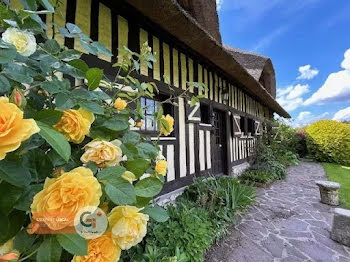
204	11
182	25
259	66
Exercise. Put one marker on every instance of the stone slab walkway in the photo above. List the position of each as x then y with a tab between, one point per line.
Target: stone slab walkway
287	224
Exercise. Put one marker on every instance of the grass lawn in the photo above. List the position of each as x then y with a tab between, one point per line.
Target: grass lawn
340	174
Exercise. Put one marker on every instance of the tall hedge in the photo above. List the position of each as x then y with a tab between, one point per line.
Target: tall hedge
329	141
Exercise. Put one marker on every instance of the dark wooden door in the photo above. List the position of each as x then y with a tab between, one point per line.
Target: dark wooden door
219	142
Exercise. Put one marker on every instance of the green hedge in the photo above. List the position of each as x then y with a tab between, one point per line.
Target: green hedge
329	141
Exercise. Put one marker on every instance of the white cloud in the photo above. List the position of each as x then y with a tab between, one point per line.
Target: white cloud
342	115
307	73
336	87
291	98
306	117
219	4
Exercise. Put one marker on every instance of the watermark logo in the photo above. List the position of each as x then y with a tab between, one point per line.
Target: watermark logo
90	222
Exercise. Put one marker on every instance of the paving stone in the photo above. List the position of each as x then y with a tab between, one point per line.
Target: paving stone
313	249
287	224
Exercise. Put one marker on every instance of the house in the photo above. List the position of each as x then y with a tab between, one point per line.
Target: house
219	134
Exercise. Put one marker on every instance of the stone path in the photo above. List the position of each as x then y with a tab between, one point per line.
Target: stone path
287	224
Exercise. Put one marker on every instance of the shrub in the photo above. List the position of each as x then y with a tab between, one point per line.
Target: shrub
300	143
259	176
223	197
286	158
266	159
329	141
187	234
199	218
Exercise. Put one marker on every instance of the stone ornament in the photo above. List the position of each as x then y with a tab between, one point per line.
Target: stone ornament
329	192
341	226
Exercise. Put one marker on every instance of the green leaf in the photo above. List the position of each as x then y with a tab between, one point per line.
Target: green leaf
46	4
14	173
158	213
147	150
26	199
69	55
4	228
23	241
142	201
80	65
38	164
137	166
4	85
64	101
48	116
101	49
73	243
51	46
120	191
73	29
94	77
131	137
117	123
93	107
92	166
16	220
7	52
13	193
89	48
148	187
110	173
49	250
55	86
55	139
18	73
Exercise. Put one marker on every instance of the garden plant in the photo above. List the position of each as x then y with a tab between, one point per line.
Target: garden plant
67	141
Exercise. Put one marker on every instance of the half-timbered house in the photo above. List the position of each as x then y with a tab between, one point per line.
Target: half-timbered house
219	134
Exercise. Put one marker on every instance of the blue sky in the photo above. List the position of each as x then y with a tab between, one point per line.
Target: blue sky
307	41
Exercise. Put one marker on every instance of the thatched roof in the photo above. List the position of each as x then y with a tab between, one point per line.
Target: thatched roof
204	11
259	66
175	20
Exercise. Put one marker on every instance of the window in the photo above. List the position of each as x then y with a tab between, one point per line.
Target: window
205	113
242	125
150	108
251	126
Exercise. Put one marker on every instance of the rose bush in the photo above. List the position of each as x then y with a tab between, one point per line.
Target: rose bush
66	144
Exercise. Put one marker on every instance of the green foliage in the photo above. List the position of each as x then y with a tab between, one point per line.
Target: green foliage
223	197
329	141
200	217
259	176
189	229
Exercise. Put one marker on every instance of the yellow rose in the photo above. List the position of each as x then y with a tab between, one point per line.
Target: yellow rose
101	249
75	124
129	176
120	104
103	153
170	121
128	226
161	167
13	128
64	196
24	41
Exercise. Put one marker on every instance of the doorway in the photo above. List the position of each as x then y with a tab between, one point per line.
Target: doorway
219	142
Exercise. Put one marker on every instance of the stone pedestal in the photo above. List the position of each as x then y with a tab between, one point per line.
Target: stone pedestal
341	226
329	192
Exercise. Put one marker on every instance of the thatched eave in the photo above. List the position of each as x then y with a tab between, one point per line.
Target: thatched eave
172	18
